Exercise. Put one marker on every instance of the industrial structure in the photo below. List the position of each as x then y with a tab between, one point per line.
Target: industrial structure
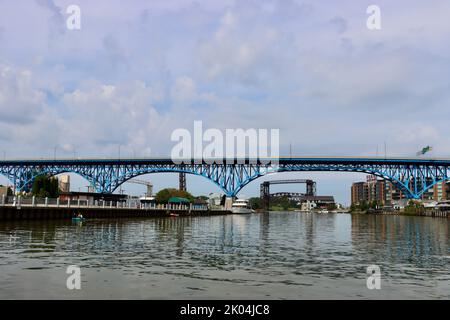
182	178
148	184
266	195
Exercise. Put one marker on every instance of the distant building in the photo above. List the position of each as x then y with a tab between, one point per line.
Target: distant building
358	193
178	200
310	202
386	193
91	197
64	183
199	204
441	191
215	199
372	190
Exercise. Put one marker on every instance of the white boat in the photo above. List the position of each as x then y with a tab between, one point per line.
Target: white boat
241	206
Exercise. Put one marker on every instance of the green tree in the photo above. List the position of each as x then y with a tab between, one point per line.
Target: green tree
255	203
331	207
414	207
44	186
164	195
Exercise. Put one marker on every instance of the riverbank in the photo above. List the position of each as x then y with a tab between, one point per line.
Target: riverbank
58	213
424	213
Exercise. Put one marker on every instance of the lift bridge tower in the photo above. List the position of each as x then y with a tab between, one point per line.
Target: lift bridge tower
265	189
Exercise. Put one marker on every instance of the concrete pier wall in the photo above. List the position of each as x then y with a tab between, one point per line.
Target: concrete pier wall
40	213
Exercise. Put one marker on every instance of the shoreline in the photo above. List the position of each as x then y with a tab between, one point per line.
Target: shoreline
65	213
426	213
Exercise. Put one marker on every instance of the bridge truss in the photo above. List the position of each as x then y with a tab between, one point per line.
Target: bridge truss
412	176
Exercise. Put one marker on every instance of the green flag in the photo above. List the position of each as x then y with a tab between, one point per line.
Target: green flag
424	150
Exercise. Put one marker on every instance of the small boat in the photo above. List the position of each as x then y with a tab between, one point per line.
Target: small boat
241	206
174	214
77	219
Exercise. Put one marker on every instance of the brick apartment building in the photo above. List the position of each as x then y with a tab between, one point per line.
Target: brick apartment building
384	192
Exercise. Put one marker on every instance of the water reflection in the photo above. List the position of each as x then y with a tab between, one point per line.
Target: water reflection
277	255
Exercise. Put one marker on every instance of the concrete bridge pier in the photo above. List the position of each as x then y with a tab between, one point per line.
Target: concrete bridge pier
228	203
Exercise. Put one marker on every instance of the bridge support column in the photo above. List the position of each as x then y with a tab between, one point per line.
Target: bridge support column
228	203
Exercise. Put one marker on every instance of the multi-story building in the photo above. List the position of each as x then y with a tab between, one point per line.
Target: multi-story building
385	193
441	191
369	191
358	193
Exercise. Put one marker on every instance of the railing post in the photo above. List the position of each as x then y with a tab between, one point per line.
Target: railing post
33	201
3	199
103	204
19	201
46	201
57	202
78	202
68	203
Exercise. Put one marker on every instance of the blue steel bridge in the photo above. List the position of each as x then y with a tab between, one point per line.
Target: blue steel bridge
412	176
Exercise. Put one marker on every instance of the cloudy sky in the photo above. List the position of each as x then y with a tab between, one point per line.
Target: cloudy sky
137	70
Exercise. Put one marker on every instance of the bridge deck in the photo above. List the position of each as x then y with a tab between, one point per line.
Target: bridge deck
281	160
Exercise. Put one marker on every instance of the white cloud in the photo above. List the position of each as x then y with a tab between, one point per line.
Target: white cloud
20	102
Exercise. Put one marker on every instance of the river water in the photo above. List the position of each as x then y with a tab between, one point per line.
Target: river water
277	255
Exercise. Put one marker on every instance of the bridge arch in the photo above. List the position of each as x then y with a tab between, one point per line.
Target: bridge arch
51	172
154	171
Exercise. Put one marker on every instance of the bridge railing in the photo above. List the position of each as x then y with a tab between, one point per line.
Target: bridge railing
19	202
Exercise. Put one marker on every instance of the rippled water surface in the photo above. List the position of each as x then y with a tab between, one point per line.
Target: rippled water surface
259	256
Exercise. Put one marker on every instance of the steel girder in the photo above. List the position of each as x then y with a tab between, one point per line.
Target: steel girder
106	176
